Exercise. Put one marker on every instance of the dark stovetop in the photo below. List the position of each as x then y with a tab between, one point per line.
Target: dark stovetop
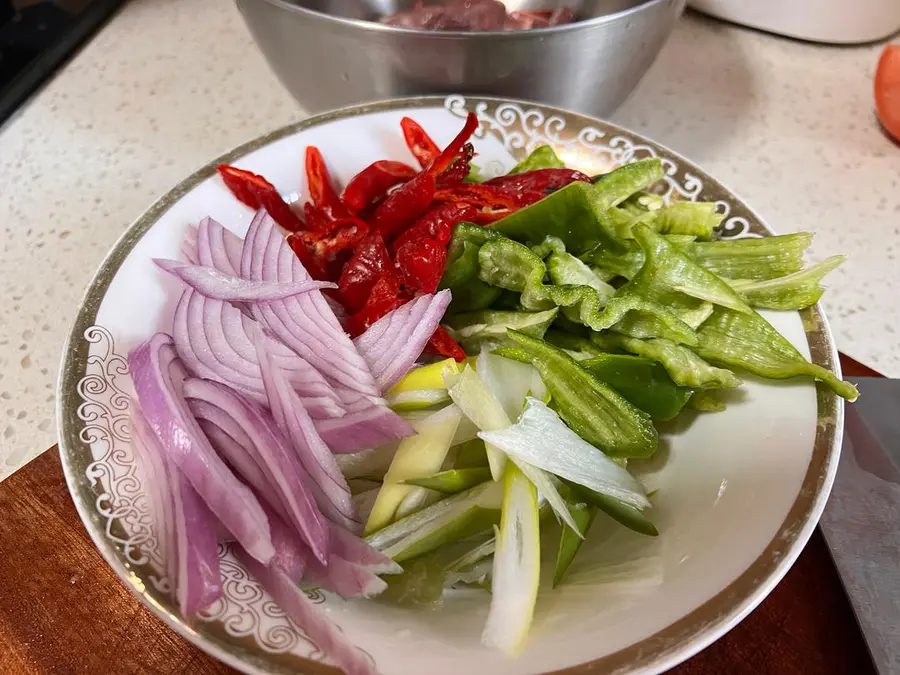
36	36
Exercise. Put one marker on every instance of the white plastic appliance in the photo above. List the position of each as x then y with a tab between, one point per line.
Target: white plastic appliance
833	21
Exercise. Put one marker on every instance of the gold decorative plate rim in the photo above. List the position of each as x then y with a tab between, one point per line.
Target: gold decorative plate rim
672	645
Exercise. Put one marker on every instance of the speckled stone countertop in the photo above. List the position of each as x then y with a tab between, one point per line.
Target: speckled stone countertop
168	85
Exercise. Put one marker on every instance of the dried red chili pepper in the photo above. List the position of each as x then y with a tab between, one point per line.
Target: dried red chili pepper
437	224
324	254
385	297
316	221
321	191
345	233
441	343
258	193
532	186
370	261
448	154
373	182
421	264
403	206
459	169
480	195
419	142
491	203
314	264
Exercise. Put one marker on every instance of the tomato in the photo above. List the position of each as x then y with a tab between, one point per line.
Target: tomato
887	89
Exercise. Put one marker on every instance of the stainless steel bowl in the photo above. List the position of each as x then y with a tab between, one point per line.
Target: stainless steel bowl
330	53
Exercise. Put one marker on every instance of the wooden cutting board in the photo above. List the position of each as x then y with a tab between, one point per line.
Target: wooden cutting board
63	610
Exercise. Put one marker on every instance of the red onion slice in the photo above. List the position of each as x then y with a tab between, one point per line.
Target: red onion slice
186	528
344	578
327	481
213	284
158	377
190	245
285	482
393	343
218	247
151	464
212	338
351	548
368	428
304	323
320	630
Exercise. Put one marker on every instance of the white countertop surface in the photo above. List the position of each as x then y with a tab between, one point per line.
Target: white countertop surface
169	85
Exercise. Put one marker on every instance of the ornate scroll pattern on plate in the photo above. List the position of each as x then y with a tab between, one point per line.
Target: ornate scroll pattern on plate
522	129
245	610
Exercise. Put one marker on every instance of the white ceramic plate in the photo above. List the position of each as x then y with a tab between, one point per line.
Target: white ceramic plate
739	491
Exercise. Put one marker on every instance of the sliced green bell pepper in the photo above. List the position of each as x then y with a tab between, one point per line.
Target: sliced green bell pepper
746	259
579	348
698	219
622	513
752	258
472	329
572	214
461	271
684	367
542	157
452	481
792	291
569	542
642	381
591	409
577	213
748	341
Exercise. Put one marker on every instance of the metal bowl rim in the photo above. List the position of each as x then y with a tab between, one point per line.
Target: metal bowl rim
457	34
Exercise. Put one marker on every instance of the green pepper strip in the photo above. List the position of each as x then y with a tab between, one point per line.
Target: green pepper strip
461	271
624	514
577	213
595	412
542	157
508	264
758	258
684	367
790	292
472	329
750	342
569	541
642	381
452	481
669	297
579	348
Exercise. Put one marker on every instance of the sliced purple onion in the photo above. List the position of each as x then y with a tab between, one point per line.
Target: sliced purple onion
285	482
218	247
158	377
213	284
189	245
186	527
305	323
351	548
327	481
291	556
151	463
293	601
393	343
368	428
344	578
212	338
